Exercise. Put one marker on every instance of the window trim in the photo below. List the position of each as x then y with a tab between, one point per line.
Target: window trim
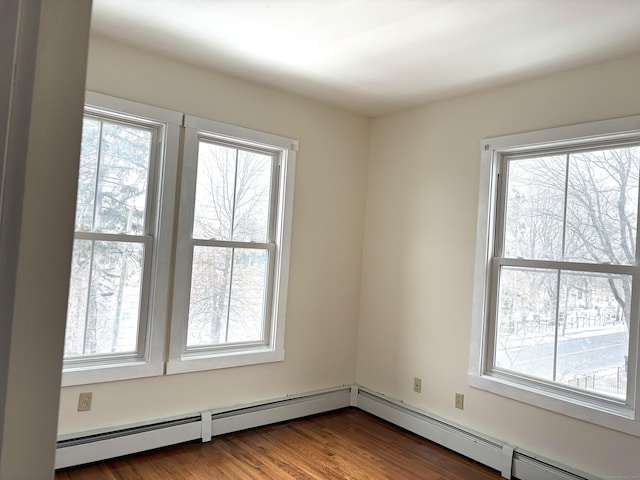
150	361
593	410
181	361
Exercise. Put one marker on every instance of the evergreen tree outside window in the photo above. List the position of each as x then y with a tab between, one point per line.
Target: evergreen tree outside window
117	307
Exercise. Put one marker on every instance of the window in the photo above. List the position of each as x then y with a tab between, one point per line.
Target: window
118	287
557	294
232	250
231	264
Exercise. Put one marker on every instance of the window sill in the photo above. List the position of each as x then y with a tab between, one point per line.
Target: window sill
84	374
617	418
87	374
223	360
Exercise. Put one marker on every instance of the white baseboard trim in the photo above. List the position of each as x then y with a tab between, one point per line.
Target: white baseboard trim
509	460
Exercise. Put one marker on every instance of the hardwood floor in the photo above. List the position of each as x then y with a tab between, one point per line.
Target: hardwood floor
346	444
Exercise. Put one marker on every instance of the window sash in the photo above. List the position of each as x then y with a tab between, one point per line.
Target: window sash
504	161
491	367
158	133
240	146
145	294
267	333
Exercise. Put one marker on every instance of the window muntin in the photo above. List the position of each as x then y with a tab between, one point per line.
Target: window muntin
113	240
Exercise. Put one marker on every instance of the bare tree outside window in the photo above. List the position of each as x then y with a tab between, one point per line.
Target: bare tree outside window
230	268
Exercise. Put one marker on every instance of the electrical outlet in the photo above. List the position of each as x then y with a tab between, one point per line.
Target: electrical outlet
417	385
84	402
460	401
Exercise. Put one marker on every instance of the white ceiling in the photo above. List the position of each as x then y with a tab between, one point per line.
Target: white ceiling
378	56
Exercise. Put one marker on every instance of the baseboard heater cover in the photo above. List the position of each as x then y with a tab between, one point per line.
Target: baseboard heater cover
96	446
92	448
527	466
471	445
511	461
521	464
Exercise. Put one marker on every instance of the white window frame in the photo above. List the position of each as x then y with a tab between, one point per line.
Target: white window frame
180	358
149	358
620	416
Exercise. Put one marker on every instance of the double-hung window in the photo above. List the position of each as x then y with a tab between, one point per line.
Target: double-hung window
228	281
121	243
232	252
557	271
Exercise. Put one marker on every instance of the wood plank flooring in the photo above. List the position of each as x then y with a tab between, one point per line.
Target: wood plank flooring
346	444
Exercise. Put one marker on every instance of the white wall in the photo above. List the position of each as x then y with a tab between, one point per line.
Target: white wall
328	223
419	249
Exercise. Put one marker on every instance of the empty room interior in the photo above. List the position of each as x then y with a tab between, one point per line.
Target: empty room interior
436	246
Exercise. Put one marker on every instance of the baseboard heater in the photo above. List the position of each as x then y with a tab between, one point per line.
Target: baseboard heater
101	445
512	462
